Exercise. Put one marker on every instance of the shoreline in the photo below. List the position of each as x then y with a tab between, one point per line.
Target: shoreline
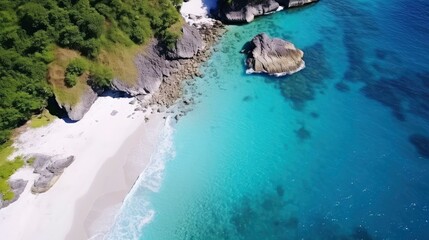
112	145
95	211
95	141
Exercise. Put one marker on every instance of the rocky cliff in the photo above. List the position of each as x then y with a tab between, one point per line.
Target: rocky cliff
77	111
153	65
274	56
245	11
157	62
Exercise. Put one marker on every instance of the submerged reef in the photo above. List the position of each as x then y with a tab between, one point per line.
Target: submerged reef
421	143
267	214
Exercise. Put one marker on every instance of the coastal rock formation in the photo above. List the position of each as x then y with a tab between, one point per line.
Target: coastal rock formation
188	45
151	65
160	71
50	170
77	111
295	3
245	11
17	186
274	56
154	63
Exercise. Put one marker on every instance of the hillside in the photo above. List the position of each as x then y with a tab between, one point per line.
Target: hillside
63	48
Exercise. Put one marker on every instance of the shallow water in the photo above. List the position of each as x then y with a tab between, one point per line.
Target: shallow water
336	151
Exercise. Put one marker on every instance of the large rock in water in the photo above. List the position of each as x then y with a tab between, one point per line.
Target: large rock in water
295	3
274	56
245	11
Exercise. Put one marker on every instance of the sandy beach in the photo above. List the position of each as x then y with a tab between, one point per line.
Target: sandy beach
112	145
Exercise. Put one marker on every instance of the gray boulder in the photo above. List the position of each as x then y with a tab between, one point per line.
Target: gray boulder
40	162
243	12
17	186
150	65
57	167
49	170
45	181
76	111
188	45
274	56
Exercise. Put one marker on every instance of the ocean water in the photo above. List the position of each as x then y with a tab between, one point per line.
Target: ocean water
336	151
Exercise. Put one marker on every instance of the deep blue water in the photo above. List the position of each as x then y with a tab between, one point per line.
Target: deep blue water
336	151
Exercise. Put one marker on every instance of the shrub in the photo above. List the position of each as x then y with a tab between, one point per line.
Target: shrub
70	37
100	77
76	67
70	80
33	17
4	136
170	39
90	48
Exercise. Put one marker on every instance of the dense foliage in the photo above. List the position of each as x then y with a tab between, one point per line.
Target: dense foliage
30	30
74	70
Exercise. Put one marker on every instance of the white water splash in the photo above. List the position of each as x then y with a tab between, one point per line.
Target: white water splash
136	211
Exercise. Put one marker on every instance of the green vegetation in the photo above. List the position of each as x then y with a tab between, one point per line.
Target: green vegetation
42	119
74	70
32	30
52	47
7	168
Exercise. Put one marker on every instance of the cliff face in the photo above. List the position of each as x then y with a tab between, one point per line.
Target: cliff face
273	56
244	11
153	65
188	45
156	63
77	111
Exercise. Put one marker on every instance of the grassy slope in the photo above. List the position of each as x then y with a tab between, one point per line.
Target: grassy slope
42	119
117	53
7	168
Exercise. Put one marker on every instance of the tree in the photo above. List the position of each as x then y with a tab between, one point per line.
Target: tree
100	77
70	37
33	17
90	48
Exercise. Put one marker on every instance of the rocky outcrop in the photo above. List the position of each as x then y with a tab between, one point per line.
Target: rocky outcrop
245	11
158	66
76	111
274	56
50	170
151	66
295	3
17	186
188	45
156	63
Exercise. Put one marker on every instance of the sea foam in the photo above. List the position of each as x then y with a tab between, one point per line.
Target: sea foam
137	210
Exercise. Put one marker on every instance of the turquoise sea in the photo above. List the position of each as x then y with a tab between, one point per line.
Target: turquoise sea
339	150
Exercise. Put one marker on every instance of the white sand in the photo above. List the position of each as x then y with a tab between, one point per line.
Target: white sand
99	179
198	8
110	153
